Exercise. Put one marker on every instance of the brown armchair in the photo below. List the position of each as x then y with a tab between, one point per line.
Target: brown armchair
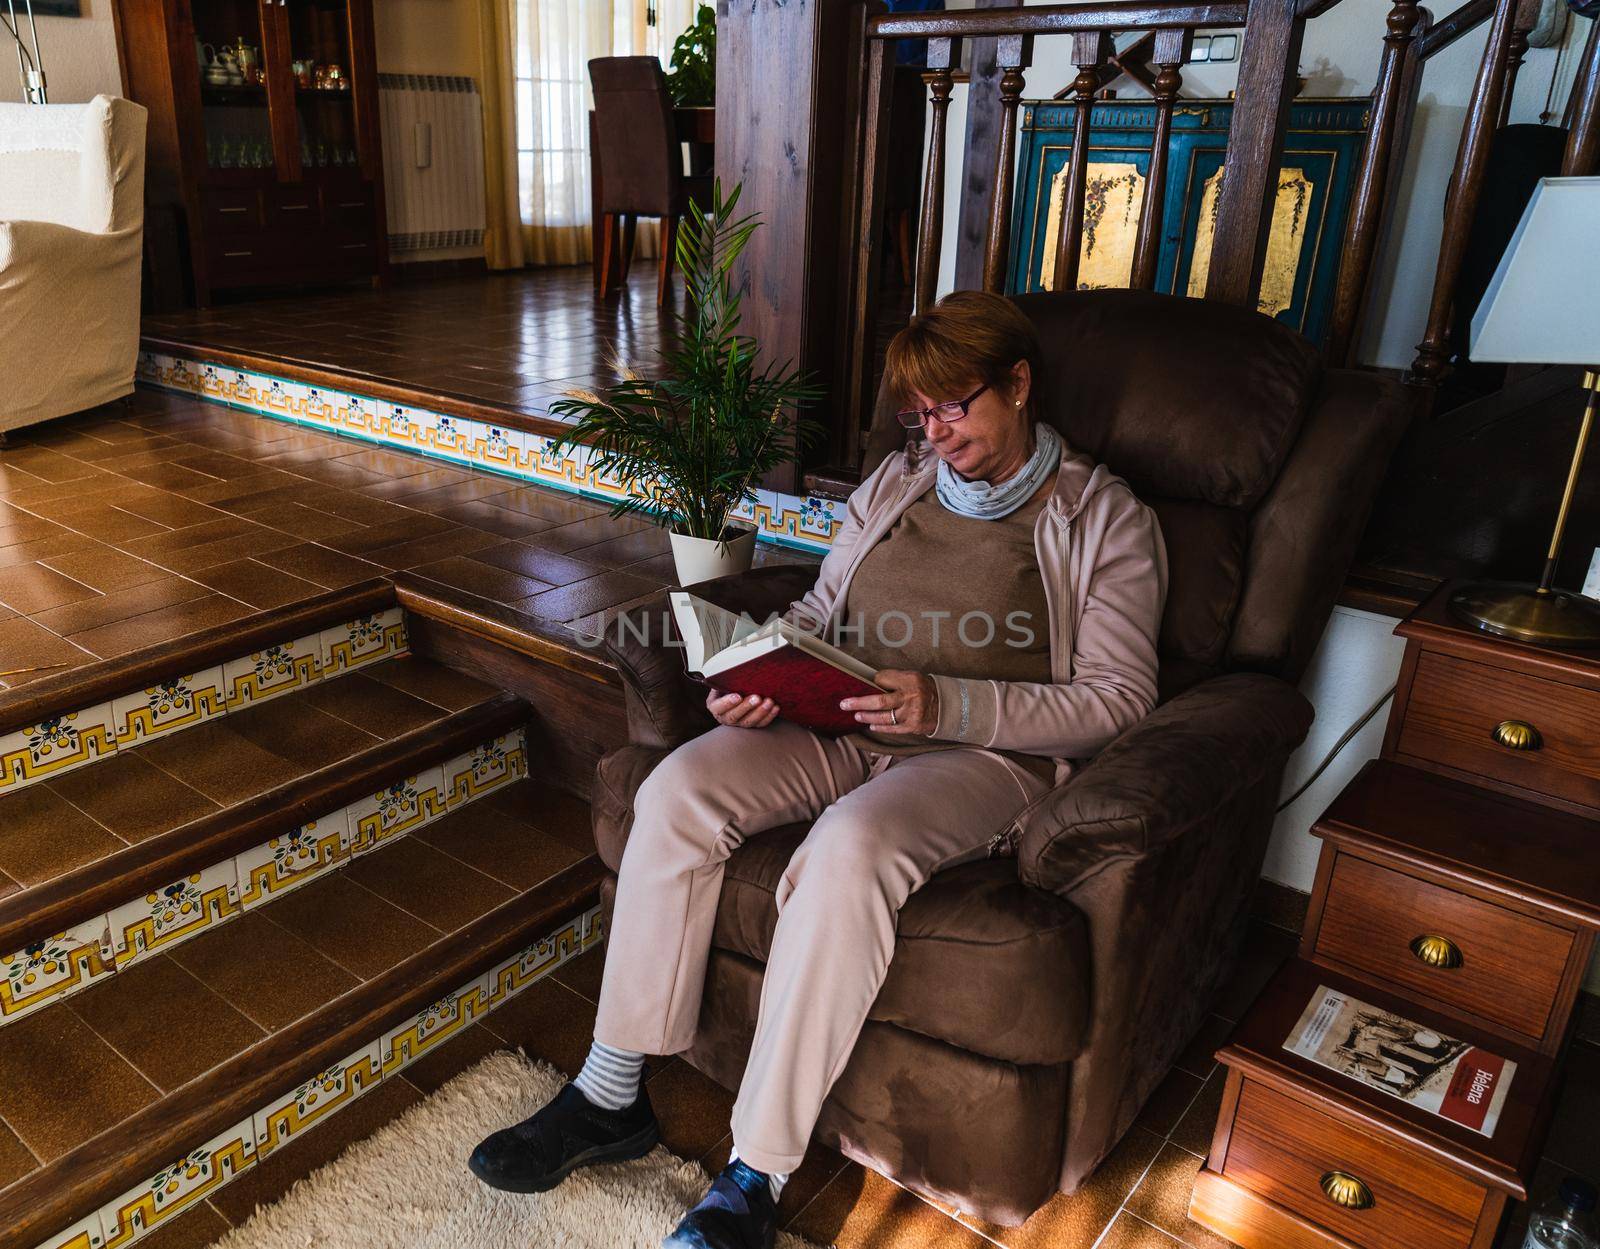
1034	1002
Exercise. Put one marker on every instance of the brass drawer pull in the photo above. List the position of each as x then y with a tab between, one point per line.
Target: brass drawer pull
1517	735
233	210
1437	951
1343	1189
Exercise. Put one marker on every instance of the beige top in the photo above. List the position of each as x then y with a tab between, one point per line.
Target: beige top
953	595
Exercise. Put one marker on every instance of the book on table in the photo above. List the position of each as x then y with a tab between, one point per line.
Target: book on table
804	675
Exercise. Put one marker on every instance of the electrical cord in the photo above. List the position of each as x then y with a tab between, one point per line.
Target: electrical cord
1339	745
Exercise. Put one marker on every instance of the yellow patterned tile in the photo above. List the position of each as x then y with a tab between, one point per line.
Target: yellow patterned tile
407	804
47	971
511	976
291	859
54	746
494	446
164	917
364	641
407	1042
179	1186
486	768
84	1234
168	706
274	670
314	1100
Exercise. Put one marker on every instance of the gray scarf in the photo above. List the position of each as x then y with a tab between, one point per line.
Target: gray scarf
982	501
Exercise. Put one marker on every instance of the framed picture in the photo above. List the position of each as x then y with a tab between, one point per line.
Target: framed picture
55	8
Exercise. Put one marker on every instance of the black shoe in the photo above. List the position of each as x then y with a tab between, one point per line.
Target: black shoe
737	1213
570	1132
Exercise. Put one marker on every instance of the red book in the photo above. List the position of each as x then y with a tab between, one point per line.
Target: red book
804	675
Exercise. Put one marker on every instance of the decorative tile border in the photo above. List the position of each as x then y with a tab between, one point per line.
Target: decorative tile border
805	522
200	1172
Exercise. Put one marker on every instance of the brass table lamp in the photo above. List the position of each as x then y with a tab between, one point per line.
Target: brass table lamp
1543	307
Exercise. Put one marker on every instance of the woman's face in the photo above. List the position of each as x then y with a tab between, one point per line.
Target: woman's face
993	441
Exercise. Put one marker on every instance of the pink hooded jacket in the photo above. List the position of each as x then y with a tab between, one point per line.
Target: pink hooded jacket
1104	569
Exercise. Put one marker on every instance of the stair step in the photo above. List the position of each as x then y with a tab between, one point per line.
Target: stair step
128	897
198	1053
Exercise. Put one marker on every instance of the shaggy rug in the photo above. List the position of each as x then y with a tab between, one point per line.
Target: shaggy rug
407	1184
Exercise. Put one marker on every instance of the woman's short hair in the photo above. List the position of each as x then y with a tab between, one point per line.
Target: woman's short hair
967	339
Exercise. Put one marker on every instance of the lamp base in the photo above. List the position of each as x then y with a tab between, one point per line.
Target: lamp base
1525	613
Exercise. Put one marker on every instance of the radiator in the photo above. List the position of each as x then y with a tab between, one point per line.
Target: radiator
432	160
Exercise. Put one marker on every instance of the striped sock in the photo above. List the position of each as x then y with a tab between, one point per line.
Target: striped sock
775	1180
610	1077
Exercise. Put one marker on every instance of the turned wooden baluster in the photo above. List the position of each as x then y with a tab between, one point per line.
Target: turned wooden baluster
1013	54
1372	176
1172	48
1527	17
943	54
1582	156
1461	201
1090	49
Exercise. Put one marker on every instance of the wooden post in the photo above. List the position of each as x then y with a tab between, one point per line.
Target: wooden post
1582	155
1527	17
867	264
942	57
1461	200
1013	54
1372	183
1172	48
977	170
1089	51
1268	65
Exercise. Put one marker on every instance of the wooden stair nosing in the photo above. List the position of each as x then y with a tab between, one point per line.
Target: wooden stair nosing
41	911
96	683
103	1167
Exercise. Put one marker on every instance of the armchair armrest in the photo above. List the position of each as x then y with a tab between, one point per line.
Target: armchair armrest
666	708
1171	772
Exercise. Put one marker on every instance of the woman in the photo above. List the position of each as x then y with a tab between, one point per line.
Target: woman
1008	592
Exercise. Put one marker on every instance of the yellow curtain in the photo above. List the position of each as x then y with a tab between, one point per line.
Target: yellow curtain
503	243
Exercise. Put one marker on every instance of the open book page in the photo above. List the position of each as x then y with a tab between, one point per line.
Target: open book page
716	639
706	628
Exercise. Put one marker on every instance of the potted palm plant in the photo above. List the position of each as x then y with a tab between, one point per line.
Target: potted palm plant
690	446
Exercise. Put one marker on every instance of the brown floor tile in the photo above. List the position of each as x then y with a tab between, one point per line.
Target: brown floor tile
694	1109
48	1061
484	580
135	1011
581	598
1167	1104
498	846
434	683
196	1228
568	539
16	1159
131	796
1129	1232
584	973
559	506
305	523
549	1022
1162	1199
419	551
859	1209
1200	1058
352	926
325	567
631	548
171	510
359	699
506	522
118	605
1194	1131
530	561
42	835
159	546
253	582
404	526
161	625
206	555
478	486
29	588
244	961
293	729
42	548
427	883
550	810
1079	1218
217	760
1264	951
274	1176
106	569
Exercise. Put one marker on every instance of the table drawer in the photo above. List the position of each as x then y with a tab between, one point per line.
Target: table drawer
347	208
1455	705
293	207
230	210
1510	965
1281	1148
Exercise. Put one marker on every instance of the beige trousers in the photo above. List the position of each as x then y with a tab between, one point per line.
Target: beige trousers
884	825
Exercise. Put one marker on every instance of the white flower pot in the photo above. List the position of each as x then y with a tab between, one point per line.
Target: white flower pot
701	559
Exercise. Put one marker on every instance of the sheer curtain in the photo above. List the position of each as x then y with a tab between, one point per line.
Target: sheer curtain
554	43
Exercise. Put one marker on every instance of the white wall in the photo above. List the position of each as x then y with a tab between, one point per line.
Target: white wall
79	56
1340	58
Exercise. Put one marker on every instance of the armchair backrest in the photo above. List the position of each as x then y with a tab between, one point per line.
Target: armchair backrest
636	140
78	165
1260	464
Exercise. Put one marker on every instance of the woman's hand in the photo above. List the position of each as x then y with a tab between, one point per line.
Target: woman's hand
739	712
909	705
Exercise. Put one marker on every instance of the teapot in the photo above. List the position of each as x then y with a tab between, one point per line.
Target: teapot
223	69
249	61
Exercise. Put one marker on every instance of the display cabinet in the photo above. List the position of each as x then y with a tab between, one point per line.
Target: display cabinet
264	152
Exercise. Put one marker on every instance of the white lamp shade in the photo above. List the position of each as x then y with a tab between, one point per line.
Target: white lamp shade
1543	303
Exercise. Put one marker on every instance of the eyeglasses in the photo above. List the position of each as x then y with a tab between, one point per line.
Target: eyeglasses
944	413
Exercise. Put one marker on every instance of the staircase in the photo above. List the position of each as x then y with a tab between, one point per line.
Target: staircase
244	878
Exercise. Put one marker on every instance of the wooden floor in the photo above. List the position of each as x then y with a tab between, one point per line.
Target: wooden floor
140	522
